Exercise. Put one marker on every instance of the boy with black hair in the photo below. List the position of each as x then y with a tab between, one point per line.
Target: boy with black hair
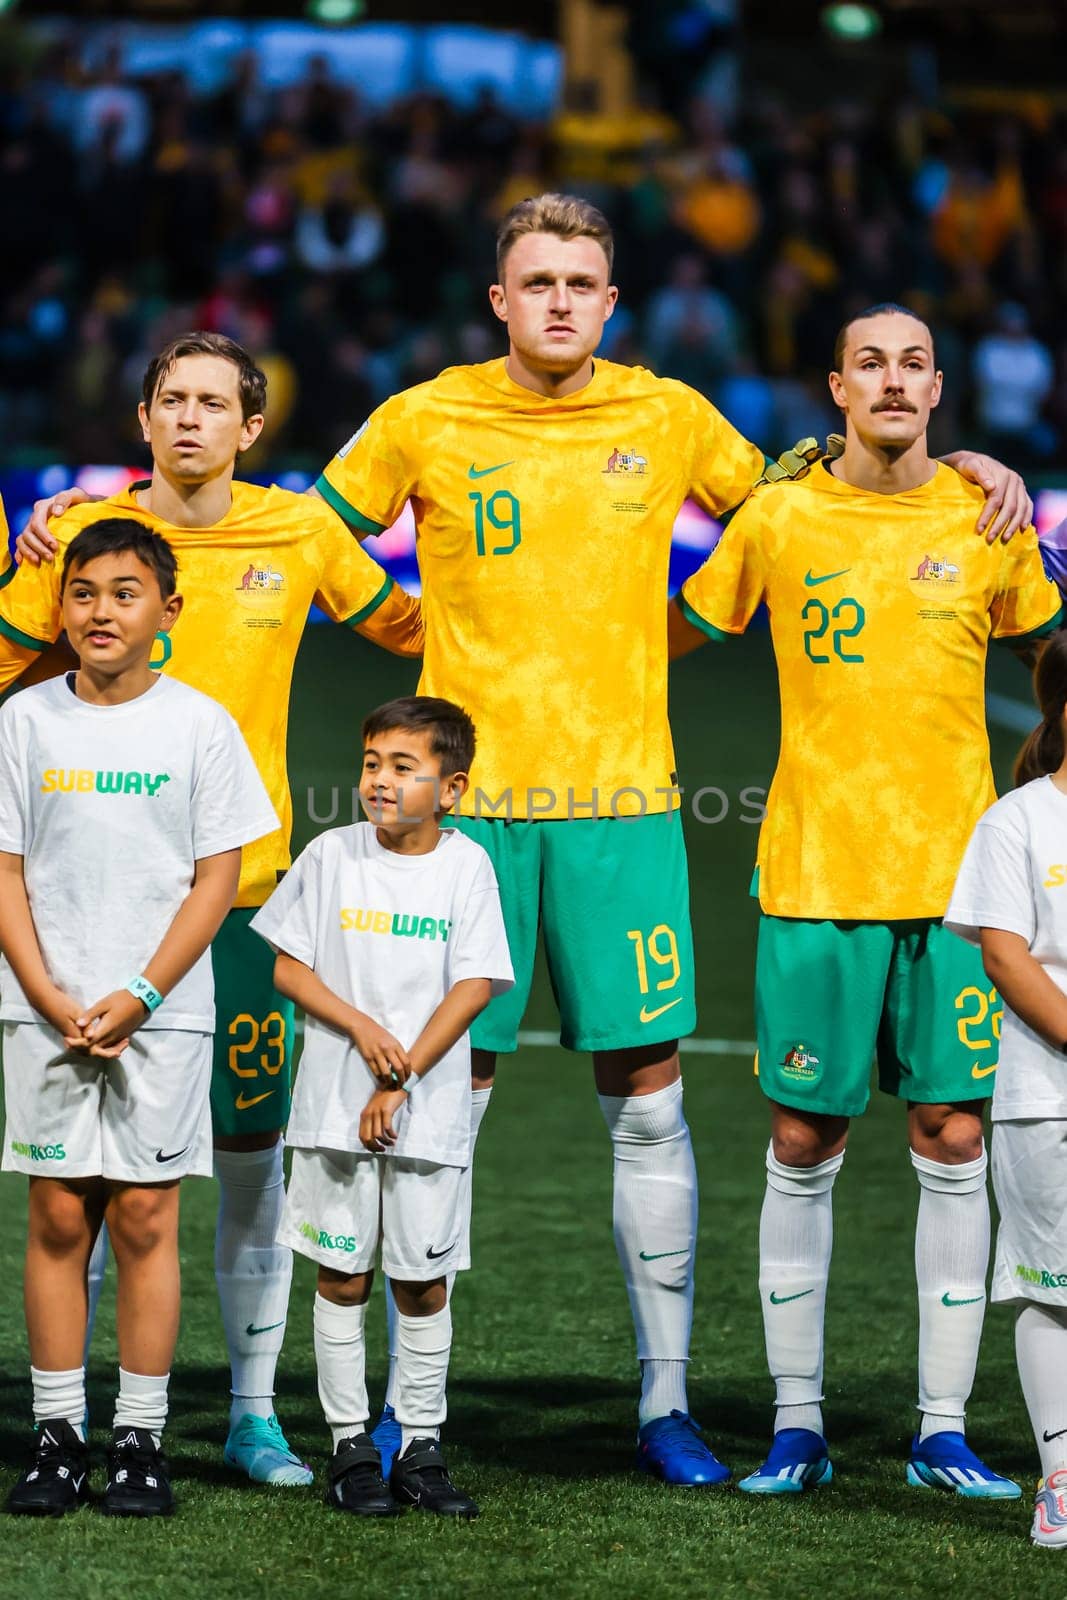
125	799
389	934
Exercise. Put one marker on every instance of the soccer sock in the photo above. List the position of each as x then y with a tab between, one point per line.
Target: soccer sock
423	1348
655	1216
60	1394
796	1237
95	1283
252	1273
1041	1352
341	1363
479	1106
142	1402
951	1256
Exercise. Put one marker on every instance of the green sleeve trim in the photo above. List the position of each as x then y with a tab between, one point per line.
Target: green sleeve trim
372	605
697	620
26	640
6	577
354	518
1016	641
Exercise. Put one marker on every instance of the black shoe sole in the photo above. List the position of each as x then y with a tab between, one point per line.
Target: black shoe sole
460	1515
45	1511
367	1511
131	1510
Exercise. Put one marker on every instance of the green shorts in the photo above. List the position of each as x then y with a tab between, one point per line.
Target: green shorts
611	897
252	1072
832	995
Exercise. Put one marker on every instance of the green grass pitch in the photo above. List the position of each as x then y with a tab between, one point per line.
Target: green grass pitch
544	1378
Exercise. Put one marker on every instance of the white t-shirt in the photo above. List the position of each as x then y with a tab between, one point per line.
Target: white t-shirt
1014	877
390	934
110	808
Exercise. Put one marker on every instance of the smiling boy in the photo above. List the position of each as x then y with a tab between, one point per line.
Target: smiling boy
389	934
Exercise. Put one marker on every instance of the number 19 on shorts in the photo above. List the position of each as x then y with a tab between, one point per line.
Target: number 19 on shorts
658	968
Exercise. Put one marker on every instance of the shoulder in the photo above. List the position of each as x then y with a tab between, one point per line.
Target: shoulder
31	705
283	509
956	493
64	528
1011	814
466	858
174	699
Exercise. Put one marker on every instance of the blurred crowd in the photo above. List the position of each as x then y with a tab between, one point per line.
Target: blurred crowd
350	249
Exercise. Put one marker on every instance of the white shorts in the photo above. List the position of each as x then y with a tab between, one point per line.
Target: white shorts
144	1117
1030	1182
340	1204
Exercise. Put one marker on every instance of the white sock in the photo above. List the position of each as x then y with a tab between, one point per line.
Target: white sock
341	1363
1041	1352
655	1216
59	1394
252	1272
142	1402
95	1283
423	1348
795	1241
479	1106
951	1257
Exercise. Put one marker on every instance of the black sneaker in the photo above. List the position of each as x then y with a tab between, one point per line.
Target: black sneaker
57	1479
355	1481
420	1478
138	1477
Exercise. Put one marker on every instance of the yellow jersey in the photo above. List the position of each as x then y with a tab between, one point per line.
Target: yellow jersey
543	537
248	582
881	610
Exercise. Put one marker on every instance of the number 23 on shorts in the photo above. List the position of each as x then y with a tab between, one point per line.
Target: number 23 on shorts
256	1046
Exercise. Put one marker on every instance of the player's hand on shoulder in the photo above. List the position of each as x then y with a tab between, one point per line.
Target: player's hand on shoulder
384	1054
1008	507
376	1131
36	543
108	1023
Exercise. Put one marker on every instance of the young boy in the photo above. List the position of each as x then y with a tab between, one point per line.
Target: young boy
125	798
390	936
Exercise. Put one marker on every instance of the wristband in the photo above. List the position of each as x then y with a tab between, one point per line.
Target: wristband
408	1083
146	992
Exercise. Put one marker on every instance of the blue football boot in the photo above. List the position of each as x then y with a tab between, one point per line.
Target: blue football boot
671	1449
946	1461
797	1460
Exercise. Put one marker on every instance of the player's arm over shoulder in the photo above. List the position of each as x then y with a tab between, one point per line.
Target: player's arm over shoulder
719	599
371	477
1026	607
355	590
723	467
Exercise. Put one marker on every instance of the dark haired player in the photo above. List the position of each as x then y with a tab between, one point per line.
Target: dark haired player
882	607
253	562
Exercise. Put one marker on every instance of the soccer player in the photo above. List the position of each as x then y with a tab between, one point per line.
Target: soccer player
882	605
125	799
1009	899
545	489
390	936
253	561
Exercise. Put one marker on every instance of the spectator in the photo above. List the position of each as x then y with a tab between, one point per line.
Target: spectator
1014	373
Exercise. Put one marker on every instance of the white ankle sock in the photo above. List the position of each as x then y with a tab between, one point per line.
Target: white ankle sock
795	1241
1041	1352
423	1348
142	1402
479	1106
60	1394
655	1216
341	1363
95	1285
252	1273
951	1257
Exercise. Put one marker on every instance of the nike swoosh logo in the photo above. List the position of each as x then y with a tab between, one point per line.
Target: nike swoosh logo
812	582
661	1255
983	1072
435	1255
244	1104
252	1330
483	472
650	1016
1048	1437
947	1300
161	1158
784	1299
